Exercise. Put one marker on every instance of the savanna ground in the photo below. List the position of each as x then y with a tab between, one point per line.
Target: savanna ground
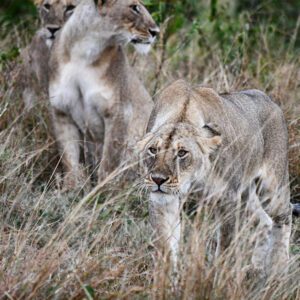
69	246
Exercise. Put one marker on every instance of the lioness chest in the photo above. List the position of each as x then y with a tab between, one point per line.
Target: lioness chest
83	93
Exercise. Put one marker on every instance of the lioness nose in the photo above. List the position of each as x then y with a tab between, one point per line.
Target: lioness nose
159	180
53	29
154	31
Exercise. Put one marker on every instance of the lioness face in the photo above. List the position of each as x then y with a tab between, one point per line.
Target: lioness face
132	19
176	156
54	13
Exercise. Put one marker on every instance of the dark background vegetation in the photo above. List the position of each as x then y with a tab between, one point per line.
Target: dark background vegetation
234	26
281	16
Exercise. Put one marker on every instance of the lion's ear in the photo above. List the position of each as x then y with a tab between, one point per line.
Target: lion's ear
210	138
140	146
211	129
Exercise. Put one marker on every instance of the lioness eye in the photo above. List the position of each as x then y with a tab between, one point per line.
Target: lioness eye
181	153
70	8
47	6
152	150
135	8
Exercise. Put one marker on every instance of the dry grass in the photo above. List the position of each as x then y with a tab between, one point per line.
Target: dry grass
58	246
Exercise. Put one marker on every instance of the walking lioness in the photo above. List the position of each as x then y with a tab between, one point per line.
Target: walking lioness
53	14
95	95
234	146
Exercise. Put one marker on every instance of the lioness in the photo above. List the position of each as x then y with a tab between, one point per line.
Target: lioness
53	14
96	96
234	146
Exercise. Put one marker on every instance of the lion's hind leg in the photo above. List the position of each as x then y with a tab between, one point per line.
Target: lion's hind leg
262	235
281	232
274	199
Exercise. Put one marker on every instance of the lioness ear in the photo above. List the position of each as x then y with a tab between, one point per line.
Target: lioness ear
211	130
210	138
140	146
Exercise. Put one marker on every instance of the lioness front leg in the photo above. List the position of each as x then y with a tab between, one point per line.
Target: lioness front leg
68	138
165	220
113	148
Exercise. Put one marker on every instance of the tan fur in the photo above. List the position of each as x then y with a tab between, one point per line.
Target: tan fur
53	14
97	99
233	146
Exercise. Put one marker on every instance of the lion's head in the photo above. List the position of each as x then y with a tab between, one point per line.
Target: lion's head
131	18
176	155
54	13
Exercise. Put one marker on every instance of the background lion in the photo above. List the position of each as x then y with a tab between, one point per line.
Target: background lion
35	71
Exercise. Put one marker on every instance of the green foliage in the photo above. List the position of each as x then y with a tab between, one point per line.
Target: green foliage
9	55
89	291
227	23
16	14
231	25
16	10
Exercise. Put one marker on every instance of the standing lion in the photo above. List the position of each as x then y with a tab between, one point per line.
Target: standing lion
96	97
232	146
